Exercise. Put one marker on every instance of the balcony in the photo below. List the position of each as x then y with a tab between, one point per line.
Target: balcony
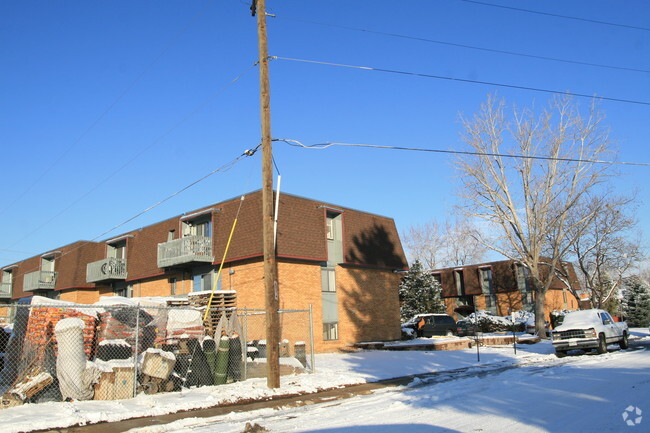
106	270
183	251
39	280
5	290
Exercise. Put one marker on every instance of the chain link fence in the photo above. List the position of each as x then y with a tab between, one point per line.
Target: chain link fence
108	352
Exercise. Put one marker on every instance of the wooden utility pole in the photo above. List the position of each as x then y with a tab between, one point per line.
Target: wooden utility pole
270	264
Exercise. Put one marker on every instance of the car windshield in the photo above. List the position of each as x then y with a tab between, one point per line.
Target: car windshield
581	317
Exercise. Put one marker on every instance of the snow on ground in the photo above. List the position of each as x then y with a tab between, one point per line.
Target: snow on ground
532	398
588	393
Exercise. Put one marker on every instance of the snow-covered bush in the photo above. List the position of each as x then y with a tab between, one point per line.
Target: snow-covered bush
486	322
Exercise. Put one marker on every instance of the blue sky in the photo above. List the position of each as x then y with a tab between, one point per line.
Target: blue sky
109	107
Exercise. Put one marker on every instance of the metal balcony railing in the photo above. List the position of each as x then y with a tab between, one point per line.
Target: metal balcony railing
5	290
39	280
107	269
185	250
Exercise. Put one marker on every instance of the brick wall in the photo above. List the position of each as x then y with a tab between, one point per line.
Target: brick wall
86	296
368	305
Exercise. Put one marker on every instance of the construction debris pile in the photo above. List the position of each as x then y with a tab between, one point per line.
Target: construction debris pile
119	347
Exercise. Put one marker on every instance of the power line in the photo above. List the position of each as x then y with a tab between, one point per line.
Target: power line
471	47
607	23
321	146
223	168
465	80
15	251
109	108
139	154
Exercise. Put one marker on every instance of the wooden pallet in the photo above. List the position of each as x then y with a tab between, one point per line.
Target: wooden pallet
223	302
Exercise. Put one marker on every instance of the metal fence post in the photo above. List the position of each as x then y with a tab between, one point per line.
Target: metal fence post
245	338
311	339
135	351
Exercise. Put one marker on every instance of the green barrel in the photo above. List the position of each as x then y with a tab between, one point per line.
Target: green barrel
221	371
209	347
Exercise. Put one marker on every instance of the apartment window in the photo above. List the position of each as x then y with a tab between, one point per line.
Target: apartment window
328	280
204	280
490	302
172	286
485	275
523	278
330	331
123	289
330	304
171	235
438	278
460	283
486	281
524	286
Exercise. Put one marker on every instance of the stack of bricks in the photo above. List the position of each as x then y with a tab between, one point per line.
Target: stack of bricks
40	330
223	302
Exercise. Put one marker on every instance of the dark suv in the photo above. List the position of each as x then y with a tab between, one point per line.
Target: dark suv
438	324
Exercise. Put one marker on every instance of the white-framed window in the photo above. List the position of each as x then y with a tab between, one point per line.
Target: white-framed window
330	331
202	282
328	280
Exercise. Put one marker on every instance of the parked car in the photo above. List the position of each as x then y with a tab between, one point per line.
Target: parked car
465	327
589	329
410	327
434	324
439	324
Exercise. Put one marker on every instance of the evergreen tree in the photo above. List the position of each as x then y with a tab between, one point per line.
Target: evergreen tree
636	302
419	292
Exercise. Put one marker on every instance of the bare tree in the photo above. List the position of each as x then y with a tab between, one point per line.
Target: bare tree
531	172
454	245
608	247
461	244
424	243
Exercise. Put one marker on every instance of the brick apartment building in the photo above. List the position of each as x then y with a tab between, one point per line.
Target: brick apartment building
500	288
338	260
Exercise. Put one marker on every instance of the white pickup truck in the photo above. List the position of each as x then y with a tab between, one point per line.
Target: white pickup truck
588	329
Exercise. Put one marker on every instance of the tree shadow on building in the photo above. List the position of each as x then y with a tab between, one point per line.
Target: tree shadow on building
369	299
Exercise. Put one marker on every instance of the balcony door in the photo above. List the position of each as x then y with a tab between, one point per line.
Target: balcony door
47	269
202	227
